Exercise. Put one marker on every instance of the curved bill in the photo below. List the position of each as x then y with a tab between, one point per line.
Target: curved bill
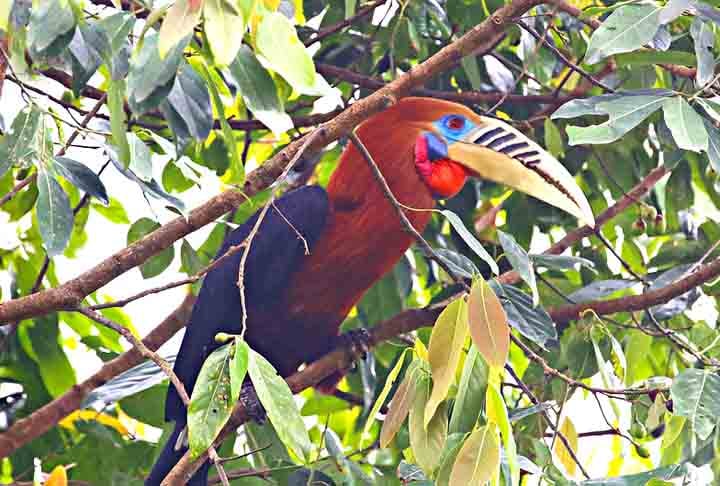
498	152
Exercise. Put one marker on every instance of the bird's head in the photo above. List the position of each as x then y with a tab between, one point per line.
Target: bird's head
453	143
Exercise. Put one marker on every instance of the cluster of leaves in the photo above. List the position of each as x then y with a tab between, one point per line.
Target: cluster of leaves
179	75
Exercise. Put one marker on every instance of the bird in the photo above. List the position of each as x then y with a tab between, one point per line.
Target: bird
317	251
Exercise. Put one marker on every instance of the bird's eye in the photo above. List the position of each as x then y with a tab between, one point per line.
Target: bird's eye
455	123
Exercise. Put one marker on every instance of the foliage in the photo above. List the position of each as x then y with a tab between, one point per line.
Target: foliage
193	94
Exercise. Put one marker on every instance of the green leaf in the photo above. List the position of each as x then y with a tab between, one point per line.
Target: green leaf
113	212
224	28
118	120
140	157
469	239
553	139
652	57
118	27
625	113
82	177
258	91
478	459
151	78
276	397
88	47
703	39
470	399
180	20
189	98
685	124
147	406
350	8
472	71
452	447
713	152
156	264
51	27
642	479
238	367
55	216
531	321
228	136
560	262
22	144
41	340
628	28
458	263
599	289
389	382
211	402
696	395
520	261
278	43
446	344
427	443
497	413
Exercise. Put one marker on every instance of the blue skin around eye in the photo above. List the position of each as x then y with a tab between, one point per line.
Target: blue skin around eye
452	134
436	148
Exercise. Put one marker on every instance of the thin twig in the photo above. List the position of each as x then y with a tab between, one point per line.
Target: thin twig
190	280
162	364
565	60
397	206
309	139
557	432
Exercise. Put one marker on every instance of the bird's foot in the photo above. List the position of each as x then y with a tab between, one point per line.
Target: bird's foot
251	403
357	341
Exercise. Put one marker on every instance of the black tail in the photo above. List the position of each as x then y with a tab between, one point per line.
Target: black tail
169	457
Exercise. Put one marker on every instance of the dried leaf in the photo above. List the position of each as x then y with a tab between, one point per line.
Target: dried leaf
488	324
399	406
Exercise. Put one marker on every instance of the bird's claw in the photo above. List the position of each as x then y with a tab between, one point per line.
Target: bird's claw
251	403
357	341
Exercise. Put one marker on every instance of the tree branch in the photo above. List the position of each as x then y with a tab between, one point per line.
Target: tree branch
44	418
703	274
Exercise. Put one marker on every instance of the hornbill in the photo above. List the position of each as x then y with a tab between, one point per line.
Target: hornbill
296	300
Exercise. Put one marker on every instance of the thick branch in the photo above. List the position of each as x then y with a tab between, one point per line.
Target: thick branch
632	197
639	302
44	418
471	97
73	292
337	360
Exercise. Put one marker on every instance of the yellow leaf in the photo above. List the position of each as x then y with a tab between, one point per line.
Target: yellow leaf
224	28
420	350
478	458
88	415
58	477
399	407
488	324
446	344
567	428
497	413
179	22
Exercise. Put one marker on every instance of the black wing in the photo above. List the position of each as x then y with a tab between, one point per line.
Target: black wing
276	252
